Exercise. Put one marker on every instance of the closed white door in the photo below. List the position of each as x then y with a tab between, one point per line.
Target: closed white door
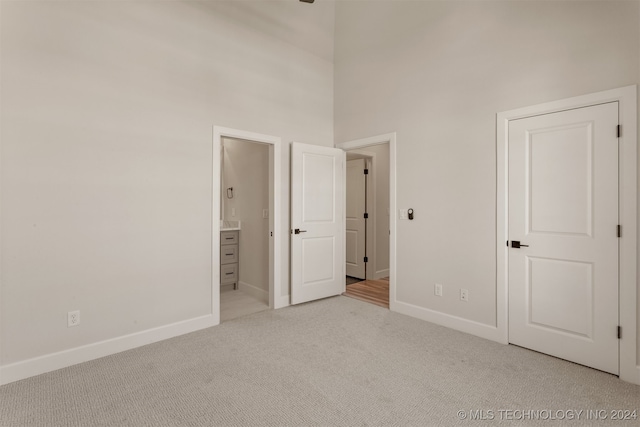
563	205
355	221
317	221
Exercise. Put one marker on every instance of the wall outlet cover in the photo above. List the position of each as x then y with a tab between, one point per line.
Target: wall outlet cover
73	318
438	290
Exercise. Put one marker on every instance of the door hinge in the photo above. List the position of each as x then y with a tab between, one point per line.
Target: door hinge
366	171
366	215
619	230
366	259
619	131
619	332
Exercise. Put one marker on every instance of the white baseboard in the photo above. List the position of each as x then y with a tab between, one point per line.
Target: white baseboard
458	323
282	302
380	274
51	362
254	291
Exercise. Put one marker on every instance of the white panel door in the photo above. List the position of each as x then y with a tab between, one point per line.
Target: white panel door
563	204
355	222
317	220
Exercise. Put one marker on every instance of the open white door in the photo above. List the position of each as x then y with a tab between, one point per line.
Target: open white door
317	222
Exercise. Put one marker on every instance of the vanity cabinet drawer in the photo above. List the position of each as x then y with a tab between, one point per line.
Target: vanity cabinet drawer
228	254
229	258
229	238
228	273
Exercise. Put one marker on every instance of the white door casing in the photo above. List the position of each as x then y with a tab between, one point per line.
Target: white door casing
355	222
563	204
317	213
629	369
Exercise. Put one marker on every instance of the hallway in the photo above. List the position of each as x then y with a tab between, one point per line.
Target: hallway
371	291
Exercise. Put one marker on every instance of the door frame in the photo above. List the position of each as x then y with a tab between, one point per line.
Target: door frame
627	204
275	243
358	144
370	208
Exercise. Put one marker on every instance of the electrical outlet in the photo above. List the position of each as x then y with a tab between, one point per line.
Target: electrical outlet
233	211
73	318
438	290
464	295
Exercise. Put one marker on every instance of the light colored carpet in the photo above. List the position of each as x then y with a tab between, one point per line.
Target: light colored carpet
338	362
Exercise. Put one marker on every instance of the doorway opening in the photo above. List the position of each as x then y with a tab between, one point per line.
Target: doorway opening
318	193
245	239
244	231
367	225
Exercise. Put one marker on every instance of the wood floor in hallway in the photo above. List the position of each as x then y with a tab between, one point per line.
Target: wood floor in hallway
372	291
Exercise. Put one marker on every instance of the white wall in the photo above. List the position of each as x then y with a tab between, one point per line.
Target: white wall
246	169
437	73
107	115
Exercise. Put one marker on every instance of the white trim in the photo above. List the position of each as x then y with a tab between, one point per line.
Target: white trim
626	96
254	291
389	138
62	359
481	330
380	274
283	301
275	279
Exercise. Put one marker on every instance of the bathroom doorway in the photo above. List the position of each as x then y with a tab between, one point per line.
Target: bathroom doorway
245	232
368	224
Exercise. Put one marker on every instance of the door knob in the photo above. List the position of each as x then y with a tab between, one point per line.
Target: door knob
516	244
298	231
